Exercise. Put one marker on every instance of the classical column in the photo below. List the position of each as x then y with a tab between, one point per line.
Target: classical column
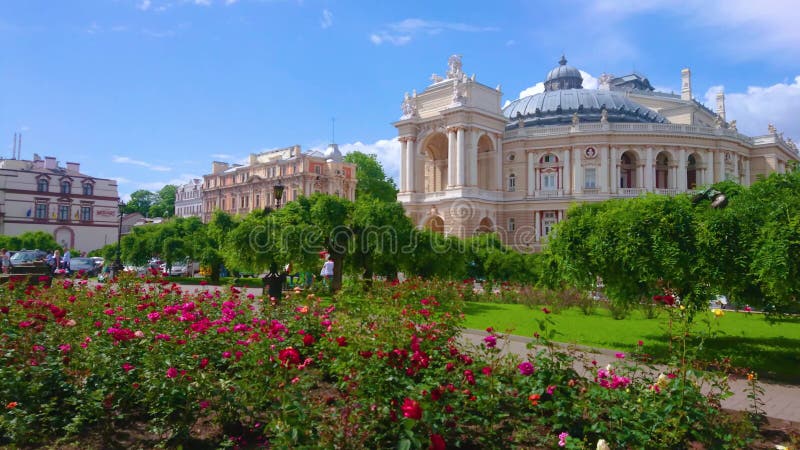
411	163
736	168
530	180
566	179
709	179
498	161
536	234
472	179
560	215
720	166
602	177
460	157
746	172
404	167
614	170
673	175
577	175
452	161
649	170
682	182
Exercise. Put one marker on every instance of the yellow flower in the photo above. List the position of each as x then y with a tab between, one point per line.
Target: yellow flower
663	381
718	312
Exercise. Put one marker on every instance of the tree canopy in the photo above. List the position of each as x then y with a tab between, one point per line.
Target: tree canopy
372	180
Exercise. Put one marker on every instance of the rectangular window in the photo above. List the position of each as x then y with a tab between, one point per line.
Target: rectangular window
318	169
512	225
86	213
512	183
88	189
258	201
548	222
66	187
42	185
41	210
63	212
590	178
549	182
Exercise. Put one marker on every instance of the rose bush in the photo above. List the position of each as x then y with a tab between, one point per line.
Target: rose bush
376	370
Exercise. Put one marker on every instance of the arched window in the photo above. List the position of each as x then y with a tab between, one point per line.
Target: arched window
42	185
512	183
66	187
88	189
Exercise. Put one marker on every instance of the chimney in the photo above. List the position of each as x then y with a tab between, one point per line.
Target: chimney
219	167
686	84
50	162
73	167
721	105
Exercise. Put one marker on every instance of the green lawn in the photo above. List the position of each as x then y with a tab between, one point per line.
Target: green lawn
773	350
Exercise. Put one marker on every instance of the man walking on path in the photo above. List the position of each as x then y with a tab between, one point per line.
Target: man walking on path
273	283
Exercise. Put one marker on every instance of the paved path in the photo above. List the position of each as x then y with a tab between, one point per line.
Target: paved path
780	401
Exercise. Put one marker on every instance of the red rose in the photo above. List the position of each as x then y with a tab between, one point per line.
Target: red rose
411	409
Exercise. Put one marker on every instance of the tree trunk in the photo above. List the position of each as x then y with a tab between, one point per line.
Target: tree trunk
338	263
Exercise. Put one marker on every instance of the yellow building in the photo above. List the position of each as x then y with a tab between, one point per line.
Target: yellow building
470	165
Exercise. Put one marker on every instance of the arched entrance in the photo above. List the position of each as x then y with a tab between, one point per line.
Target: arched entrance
692	169
65	237
435	224
627	170
485	226
486	163
436	164
662	171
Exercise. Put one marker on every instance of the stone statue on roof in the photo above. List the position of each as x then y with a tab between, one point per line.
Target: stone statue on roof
771	129
454	67
604	116
575	119
409	106
732	125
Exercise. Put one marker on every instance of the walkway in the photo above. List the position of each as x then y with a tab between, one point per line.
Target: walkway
780	401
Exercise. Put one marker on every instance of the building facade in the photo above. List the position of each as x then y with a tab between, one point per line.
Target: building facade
188	199
79	210
239	189
470	165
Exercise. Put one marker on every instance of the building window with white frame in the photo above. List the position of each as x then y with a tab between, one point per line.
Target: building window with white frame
512	224
86	213
549	220
66	187
88	189
590	178
41	210
63	213
42	185
512	183
549	181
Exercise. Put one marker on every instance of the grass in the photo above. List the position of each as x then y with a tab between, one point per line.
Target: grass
770	349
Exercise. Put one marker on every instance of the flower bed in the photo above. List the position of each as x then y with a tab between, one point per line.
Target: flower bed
366	371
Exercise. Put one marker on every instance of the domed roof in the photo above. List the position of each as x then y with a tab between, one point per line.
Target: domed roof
563	77
558	107
332	152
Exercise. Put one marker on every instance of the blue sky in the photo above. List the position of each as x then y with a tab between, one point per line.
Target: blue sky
149	92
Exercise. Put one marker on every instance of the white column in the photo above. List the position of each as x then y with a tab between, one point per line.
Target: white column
530	180
404	167
649	170
720	166
473	158
673	176
577	175
602	177
614	170
746	172
498	161
411	162
566	179
536	226
460	157
709	179
736	167
560	215
682	181
452	161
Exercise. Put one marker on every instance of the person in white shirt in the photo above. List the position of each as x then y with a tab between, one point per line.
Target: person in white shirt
327	270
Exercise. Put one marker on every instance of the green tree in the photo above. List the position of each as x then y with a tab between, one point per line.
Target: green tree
140	202
372	180
166	198
381	230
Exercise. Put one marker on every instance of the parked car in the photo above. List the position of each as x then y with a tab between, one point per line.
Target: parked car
86	265
179	270
98	261
27	257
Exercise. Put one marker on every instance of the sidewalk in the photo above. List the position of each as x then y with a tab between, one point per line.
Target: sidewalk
780	401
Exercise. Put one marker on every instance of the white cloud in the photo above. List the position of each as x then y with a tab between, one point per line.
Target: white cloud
230	2
155	186
401	33
755	109
135	162
743	28
202	2
387	151
327	19
144	5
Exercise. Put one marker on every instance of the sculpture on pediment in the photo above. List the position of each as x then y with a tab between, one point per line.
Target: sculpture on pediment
409	106
459	92
604	116
605	81
717	121
575	119
454	67
436	78
732	125
771	129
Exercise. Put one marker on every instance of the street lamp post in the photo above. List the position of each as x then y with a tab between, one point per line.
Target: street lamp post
277	191
117	267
